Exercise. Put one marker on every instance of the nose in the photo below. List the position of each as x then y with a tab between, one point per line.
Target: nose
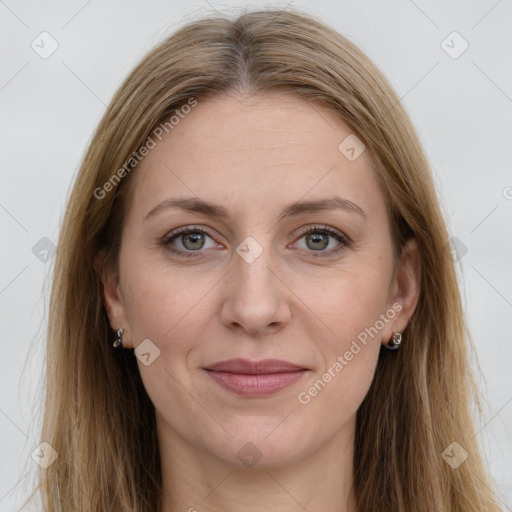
256	298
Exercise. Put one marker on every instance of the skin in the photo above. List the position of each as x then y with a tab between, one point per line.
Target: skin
254	157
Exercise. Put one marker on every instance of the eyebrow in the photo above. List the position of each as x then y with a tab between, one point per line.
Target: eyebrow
196	205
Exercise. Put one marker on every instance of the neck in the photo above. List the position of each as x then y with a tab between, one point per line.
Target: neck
195	481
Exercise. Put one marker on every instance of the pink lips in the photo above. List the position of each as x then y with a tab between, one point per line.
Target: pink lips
255	379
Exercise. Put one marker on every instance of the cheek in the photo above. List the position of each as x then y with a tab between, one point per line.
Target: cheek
163	303
349	303
351	310
171	310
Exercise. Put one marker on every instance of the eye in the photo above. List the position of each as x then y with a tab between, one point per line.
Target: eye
317	239
189	239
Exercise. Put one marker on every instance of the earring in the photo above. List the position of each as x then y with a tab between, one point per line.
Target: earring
118	340
394	342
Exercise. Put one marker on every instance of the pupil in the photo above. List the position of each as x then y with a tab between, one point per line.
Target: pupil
194	238
317	237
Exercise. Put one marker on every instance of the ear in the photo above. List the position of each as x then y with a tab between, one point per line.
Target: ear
113	299
405	289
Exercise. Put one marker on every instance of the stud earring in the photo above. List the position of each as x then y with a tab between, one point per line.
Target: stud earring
394	342
118	340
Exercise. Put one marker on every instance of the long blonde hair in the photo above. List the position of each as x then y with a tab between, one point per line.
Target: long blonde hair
97	414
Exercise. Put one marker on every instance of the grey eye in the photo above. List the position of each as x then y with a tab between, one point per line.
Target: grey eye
317	241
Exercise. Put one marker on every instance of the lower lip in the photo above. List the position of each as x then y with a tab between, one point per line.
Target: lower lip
256	385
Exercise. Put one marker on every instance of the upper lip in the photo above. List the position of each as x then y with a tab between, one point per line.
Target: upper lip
243	366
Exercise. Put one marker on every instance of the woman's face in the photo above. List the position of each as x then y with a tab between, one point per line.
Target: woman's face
246	281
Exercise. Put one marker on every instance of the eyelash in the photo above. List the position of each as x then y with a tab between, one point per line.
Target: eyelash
344	241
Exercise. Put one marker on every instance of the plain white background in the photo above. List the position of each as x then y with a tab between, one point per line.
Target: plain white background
460	104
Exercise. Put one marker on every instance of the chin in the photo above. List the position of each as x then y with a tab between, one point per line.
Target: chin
252	449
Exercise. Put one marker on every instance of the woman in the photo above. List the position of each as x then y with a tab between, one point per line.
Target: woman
254	303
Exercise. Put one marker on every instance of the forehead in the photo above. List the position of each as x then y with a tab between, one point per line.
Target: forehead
252	153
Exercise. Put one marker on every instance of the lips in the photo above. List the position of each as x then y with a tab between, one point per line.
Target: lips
255	378
254	367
